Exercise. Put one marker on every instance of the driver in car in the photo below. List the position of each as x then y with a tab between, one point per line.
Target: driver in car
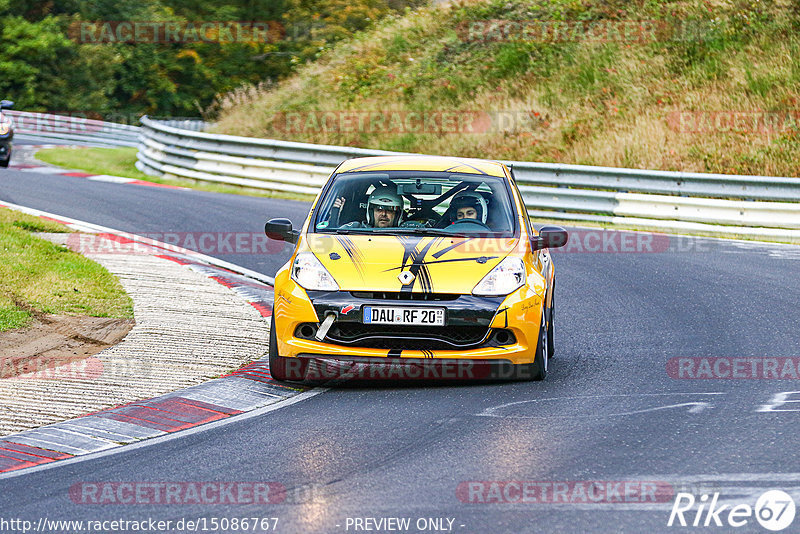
384	209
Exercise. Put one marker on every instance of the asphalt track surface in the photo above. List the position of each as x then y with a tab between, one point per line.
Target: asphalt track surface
608	411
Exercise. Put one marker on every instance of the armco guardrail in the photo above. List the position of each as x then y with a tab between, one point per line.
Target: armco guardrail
183	123
758	206
72	129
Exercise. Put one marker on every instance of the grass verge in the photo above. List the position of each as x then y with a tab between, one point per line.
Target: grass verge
111	161
37	276
122	162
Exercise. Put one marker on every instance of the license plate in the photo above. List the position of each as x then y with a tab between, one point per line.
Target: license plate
403	316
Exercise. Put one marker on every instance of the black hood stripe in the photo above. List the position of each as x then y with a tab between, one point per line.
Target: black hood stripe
417	266
476	258
439	253
353	253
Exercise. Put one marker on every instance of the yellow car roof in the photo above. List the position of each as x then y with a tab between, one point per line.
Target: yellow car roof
423	163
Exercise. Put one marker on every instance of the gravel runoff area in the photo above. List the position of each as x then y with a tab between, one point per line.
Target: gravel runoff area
189	328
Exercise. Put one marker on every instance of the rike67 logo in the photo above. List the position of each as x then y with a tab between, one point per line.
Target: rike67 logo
774	510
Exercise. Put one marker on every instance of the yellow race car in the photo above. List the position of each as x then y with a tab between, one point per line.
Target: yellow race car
416	260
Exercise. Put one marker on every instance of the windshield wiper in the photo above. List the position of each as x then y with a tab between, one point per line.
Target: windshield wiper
407	230
429	231
346	231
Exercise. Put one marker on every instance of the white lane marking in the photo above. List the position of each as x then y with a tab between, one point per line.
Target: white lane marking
44	170
698	406
779	399
773	250
90	432
110	179
168	437
53	432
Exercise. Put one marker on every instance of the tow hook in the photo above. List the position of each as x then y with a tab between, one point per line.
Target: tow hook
325	326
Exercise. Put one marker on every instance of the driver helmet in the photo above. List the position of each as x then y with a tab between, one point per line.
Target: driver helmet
470	199
384	196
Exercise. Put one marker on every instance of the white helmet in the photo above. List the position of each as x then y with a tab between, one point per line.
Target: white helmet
385	196
471	199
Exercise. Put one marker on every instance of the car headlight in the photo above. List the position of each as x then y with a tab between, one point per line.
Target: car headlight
5	126
311	274
506	277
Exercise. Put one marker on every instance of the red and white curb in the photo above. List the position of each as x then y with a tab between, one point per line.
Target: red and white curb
49	169
249	389
94	177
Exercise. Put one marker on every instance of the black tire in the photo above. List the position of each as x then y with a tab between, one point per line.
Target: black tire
280	368
5	162
551	345
538	369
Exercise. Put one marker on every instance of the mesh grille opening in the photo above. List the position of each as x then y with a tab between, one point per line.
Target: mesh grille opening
394	295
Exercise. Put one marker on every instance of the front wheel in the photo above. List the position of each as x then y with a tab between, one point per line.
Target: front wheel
280	368
538	369
551	346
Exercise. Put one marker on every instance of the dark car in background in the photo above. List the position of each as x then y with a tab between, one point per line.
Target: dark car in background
6	133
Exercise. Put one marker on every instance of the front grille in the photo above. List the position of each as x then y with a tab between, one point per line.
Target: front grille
455	335
399	343
408	337
395	295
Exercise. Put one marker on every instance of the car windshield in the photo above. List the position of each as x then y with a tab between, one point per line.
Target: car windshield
398	202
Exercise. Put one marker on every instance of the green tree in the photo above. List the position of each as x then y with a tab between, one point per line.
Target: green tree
44	67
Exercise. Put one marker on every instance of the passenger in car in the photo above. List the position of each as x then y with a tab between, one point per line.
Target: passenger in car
466	212
470	205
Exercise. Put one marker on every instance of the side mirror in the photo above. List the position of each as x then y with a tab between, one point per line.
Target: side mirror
281	230
6	104
550	237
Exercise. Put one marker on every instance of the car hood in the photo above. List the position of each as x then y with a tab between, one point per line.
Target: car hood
438	264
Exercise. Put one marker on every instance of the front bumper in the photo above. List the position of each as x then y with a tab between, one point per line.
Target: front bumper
467	323
496	329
